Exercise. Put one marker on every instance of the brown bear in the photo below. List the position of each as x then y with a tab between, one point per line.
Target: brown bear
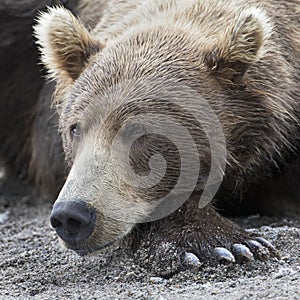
162	102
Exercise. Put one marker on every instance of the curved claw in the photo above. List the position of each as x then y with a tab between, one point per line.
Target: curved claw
224	254
258	248
243	251
268	245
191	259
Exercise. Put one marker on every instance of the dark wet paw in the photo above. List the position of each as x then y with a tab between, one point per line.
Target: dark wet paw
182	242
165	258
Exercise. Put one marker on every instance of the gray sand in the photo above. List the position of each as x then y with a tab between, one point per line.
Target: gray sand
33	266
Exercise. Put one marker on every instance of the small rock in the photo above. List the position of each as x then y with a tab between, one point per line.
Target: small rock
155	279
4	217
284	272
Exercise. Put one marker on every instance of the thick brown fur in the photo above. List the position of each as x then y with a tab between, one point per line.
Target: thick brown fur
30	149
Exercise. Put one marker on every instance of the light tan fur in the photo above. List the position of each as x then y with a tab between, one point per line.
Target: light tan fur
64	42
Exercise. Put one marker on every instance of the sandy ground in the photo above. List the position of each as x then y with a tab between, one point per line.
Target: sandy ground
33	266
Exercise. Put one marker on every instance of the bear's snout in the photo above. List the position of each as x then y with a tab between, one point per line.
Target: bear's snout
73	220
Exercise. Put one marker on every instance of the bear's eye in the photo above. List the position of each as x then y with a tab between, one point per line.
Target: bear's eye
75	131
133	131
136	129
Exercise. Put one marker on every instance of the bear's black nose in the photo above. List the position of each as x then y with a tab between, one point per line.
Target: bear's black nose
74	220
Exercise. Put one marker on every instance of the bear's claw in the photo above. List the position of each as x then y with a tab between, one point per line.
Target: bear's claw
190	260
222	254
242	251
258	249
268	245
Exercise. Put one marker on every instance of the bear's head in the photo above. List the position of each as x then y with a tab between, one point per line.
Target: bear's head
141	116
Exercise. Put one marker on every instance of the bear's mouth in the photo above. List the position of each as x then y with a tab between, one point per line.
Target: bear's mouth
88	250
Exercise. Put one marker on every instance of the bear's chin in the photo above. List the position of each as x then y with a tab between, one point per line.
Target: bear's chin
90	249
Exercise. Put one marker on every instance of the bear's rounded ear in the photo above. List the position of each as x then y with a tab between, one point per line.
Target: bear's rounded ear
64	42
240	45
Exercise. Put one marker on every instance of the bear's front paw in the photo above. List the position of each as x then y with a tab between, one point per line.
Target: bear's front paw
166	258
170	248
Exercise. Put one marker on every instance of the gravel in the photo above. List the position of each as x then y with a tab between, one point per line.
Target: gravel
34	266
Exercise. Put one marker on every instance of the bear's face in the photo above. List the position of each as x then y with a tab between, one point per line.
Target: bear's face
121	147
129	113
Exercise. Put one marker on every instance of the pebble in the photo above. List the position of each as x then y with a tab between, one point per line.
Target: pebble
4	217
284	272
155	279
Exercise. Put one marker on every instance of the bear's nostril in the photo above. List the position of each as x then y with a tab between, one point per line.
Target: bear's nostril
74	220
72	225
55	223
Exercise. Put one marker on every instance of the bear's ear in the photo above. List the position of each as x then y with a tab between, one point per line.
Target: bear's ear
240	45
64	42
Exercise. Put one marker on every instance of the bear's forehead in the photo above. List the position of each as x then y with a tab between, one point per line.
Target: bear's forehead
134	59
125	70
148	53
